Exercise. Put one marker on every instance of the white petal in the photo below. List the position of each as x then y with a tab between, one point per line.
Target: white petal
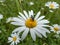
33	34
18	40
52	29
1	16
41	32
30	13
16	43
55	25
22	15
44	29
16	19
24	34
18	23
9	19
19	29
37	15
13	34
48	4
38	34
25	14
21	18
31	3
9	39
58	32
45	25
43	22
12	43
51	10
40	18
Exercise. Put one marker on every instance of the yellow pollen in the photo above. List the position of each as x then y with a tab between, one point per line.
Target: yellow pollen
51	6
14	38
30	23
56	28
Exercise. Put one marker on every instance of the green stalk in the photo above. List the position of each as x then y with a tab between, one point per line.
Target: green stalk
50	16
18	5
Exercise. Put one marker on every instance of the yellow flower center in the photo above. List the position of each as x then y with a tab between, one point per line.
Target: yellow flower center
56	28
51	6
14	38
30	23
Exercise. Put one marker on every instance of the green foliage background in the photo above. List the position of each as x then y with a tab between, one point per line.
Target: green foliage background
10	8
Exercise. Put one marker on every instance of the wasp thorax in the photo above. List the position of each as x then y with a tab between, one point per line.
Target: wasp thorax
32	17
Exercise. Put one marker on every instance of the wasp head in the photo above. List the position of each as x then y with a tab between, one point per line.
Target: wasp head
32	17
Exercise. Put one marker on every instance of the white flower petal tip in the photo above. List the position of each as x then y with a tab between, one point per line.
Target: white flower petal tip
40	18
24	34
14	39
19	30
52	5
29	22
38	14
33	35
50	10
22	15
1	16
48	31
31	3
46	26
55	28
9	19
42	8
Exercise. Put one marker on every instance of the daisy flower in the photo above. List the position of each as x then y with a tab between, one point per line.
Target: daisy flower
14	39
55	28
52	5
31	3
30	23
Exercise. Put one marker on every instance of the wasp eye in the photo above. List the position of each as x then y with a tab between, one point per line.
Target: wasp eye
32	17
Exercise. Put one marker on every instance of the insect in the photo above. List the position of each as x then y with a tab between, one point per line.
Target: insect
32	17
